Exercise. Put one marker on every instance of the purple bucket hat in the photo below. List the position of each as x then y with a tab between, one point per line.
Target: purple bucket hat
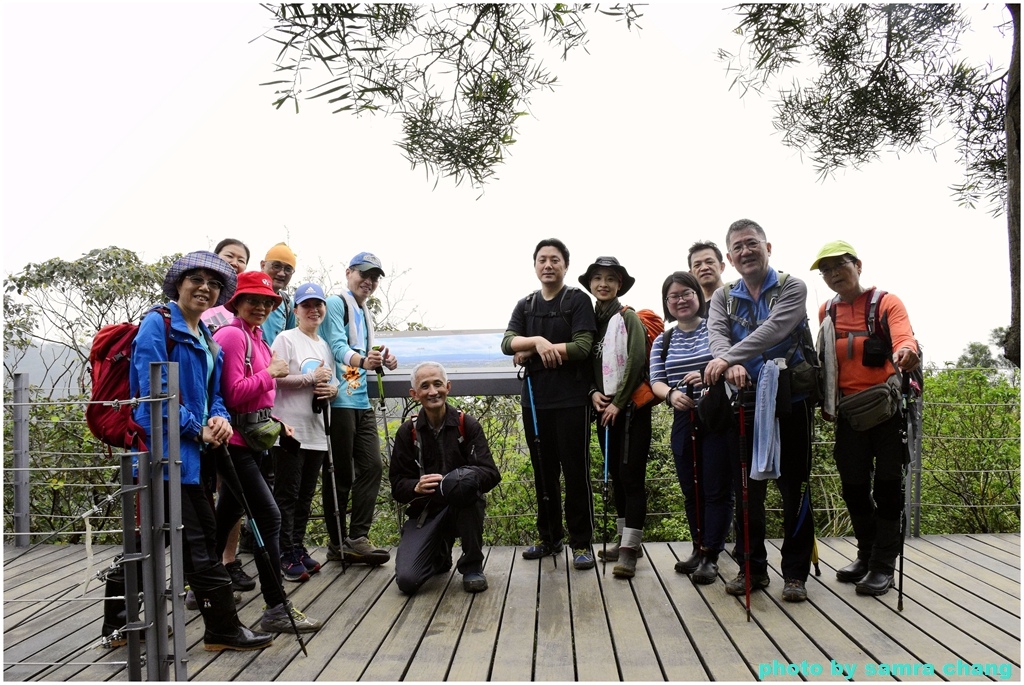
201	260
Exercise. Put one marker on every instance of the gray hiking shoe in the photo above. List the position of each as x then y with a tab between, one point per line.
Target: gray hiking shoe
361	551
276	620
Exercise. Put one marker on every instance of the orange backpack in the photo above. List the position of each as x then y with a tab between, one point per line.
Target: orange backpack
654	326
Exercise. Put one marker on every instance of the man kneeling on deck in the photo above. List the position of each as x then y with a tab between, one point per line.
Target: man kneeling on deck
441	467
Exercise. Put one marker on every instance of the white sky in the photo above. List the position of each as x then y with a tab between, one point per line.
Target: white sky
143	126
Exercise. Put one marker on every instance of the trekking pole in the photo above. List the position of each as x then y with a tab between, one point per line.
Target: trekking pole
325	407
696	482
380	380
746	501
540	462
604	496
905	437
226	467
383	409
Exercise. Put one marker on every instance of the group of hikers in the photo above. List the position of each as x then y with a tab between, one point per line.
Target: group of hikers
274	396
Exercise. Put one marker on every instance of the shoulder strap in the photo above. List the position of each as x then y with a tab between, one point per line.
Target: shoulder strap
773	292
165	312
666	340
530	303
732	303
248	352
871	313
831	309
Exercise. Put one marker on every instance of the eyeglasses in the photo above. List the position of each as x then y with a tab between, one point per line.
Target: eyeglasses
371	276
199	282
749	245
254	301
679	297
829	270
279	266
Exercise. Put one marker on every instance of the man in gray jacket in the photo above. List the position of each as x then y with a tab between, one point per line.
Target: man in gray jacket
763	316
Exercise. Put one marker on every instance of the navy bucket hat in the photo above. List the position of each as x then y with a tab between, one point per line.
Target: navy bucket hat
201	259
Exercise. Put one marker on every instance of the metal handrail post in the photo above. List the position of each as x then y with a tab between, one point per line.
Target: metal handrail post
153	519
916	467
174	528
22	522
129	555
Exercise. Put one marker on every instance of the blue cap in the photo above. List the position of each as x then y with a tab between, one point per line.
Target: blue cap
309	291
366	261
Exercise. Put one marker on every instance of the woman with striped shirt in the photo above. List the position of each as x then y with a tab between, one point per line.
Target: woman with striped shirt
677	357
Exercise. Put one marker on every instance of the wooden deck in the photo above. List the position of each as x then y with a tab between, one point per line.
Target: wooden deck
536	622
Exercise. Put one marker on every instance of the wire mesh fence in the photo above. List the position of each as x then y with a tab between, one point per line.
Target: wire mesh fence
970	469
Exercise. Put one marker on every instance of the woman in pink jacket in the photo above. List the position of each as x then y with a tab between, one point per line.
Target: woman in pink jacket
248	382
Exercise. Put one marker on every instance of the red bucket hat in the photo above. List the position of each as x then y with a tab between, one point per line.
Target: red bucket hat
253	283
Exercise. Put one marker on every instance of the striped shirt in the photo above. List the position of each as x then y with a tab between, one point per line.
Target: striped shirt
688	351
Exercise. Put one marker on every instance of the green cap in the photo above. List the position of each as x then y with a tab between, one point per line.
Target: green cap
836	248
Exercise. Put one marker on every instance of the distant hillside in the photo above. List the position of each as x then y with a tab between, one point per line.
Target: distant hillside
37	360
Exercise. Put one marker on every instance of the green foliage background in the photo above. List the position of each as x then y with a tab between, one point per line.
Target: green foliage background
970	479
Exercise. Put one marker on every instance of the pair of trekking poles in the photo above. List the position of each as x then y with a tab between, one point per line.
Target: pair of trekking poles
542	477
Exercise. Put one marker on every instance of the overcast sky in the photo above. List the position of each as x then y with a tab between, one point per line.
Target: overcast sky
143	126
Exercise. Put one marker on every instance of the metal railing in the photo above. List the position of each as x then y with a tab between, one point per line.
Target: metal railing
473	383
142	561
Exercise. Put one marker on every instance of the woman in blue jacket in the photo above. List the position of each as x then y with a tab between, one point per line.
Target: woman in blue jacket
194	283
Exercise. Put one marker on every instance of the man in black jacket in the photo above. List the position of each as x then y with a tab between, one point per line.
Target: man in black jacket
441	467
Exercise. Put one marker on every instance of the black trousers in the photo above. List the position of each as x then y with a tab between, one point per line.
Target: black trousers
870	465
265	512
355	447
712	498
563	451
797	517
426	550
296	477
201	562
628	470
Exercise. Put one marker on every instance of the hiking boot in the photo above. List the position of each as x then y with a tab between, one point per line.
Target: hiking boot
795	591
611	552
707	572
583	558
292	568
874	583
192	603
311	564
245	540
474	582
360	551
738	586
333	553
223	630
240	580
542	549
626	568
629	550
690	563
276	620
852	573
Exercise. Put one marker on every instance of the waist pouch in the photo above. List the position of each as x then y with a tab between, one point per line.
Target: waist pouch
871	406
258	429
804	379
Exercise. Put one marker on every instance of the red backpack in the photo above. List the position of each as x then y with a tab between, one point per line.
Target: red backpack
109	367
654	326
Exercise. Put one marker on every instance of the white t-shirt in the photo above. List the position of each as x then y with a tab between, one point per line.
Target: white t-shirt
293	403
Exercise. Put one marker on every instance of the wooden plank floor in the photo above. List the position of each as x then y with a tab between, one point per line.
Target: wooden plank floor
539	622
